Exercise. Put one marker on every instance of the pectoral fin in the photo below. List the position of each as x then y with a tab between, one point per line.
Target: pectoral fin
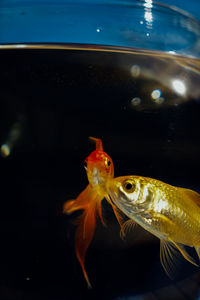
80	203
126	227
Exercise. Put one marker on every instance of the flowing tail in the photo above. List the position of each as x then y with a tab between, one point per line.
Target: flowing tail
84	235
90	202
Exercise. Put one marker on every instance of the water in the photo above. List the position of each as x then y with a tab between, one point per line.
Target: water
145	106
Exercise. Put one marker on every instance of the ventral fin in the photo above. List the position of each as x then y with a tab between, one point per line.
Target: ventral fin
169	257
170	254
197	248
99	207
194	196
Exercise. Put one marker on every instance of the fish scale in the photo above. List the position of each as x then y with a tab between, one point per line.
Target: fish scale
184	213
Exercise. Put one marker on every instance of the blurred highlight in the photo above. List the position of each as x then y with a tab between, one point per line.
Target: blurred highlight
13	137
5	150
179	86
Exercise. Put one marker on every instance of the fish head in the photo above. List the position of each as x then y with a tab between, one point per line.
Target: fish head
99	167
130	194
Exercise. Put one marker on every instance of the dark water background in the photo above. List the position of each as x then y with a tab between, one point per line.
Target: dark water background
51	102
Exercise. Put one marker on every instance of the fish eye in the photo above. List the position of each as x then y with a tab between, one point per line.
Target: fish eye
129	186
107	162
85	164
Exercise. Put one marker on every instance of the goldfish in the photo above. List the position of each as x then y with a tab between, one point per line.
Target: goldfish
100	169
170	213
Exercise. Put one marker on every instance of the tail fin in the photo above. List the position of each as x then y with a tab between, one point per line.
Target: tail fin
90	202
84	235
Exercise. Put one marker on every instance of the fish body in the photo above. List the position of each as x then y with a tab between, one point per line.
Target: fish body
170	213
99	168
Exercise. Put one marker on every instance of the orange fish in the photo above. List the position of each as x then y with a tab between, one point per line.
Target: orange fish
100	170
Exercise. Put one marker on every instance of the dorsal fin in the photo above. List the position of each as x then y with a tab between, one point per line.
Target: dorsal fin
194	196
99	144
